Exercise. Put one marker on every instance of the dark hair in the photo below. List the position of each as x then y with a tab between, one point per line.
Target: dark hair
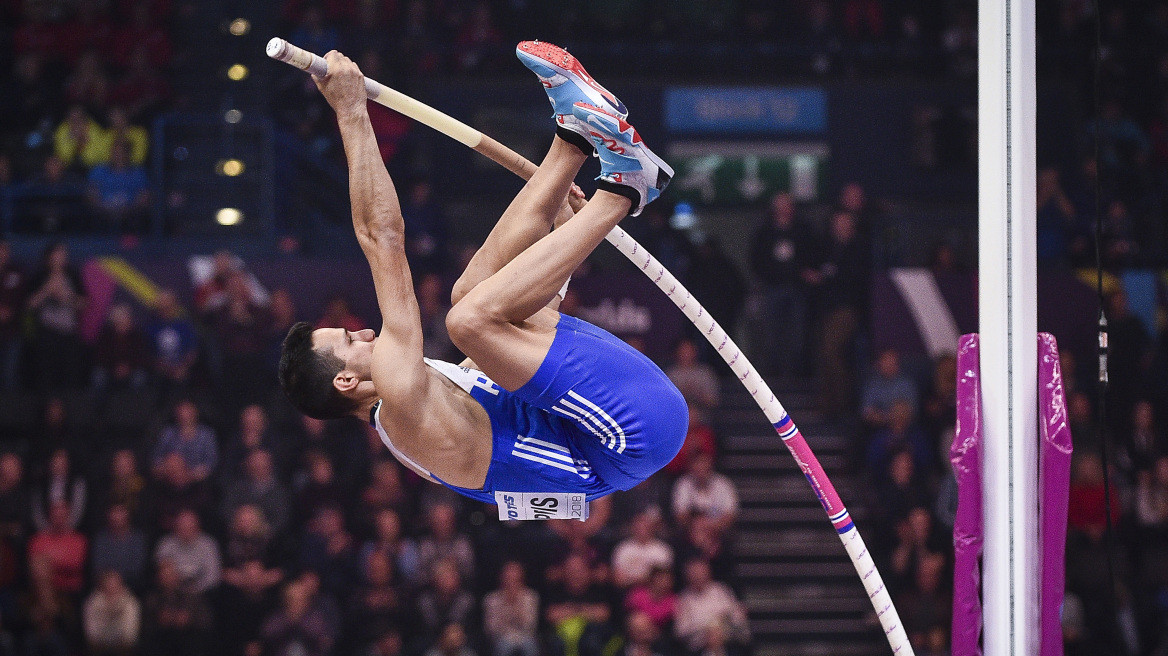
306	375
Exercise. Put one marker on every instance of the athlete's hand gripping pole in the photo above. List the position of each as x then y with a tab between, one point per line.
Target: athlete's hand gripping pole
714	333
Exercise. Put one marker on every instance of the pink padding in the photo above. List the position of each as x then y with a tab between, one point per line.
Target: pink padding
1054	482
965	454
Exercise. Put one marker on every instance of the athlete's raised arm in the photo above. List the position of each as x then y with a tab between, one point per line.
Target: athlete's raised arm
377	220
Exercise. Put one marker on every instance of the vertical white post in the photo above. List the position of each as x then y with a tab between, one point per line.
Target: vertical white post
1008	324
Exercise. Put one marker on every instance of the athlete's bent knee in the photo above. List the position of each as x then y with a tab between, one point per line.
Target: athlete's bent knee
467	322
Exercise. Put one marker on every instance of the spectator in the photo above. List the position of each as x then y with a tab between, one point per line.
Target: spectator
1152	496
177	619
57	202
141	32
635	558
1087	508
78	140
56	430
120	131
900	432
1056	218
61	486
387	540
388	643
11	305
716	279
655	597
193	442
927	604
119	191
126	484
451	642
782	259
241	328
321	487
247	597
885	388
121	548
642	637
174	340
939	408
1139	446
327	548
249	538
425	230
699	439
338	315
255	433
840	301
696	380
49	610
376	602
63	547
434	303
579	607
704	603
445	541
445	601
56	301
511	614
703	491
297	628
260	488
900	488
89	84
14	502
121	354
916	540
142	90
113	617
194	555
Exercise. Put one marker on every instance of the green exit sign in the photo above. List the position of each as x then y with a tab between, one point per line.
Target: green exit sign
737	173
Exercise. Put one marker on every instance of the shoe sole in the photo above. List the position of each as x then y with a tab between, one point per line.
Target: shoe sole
662	167
562	62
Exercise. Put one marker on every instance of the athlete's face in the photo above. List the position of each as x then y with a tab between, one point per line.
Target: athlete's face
355	349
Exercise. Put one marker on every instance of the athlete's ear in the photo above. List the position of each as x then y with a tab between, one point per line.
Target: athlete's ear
346	381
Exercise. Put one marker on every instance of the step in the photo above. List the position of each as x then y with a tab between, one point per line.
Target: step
820	443
829	606
873	647
779	544
784	489
778	462
832	627
833	570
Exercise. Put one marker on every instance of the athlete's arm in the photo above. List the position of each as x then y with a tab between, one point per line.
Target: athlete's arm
398	370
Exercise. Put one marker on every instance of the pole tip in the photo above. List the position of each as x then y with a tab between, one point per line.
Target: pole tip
276	47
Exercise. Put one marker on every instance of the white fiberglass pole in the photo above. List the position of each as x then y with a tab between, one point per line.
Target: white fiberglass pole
1008	324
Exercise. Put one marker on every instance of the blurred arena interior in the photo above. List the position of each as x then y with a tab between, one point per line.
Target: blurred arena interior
171	201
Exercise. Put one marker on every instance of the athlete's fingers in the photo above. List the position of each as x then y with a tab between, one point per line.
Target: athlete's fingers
576	191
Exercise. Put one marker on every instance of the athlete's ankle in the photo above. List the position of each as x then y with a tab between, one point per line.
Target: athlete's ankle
576	139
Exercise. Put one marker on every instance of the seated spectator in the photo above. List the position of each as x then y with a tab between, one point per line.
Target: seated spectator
320	488
177	619
121	356
705	603
49	609
695	379
635	557
1087	506
297	628
173	338
445	601
120	131
451	642
387	540
193	554
511	614
705	538
433	305
900	432
119	191
926	604
327	548
141	32
376	602
112	617
338	315
249	538
14	502
426	244
900	488
445	541
78	141
1139	445
655	597
389	643
142	90
121	548
1152	496
12	293
193	442
580	607
255	432
247	597
885	388
642	637
939	409
88	84
173	491
699	438
703	491
63	547
125	485
61	486
386	489
917	538
241	329
259	487
57	430
56	351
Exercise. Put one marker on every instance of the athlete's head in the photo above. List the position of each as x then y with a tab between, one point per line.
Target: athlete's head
326	372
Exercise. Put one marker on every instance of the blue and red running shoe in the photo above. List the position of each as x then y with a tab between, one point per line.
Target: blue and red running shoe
566	83
627	166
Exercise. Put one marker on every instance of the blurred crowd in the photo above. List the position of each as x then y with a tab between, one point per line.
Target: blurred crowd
158	495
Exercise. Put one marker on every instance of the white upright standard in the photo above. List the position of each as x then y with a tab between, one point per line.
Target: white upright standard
1007	254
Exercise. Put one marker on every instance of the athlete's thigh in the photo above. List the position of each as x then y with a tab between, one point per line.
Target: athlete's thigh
510	354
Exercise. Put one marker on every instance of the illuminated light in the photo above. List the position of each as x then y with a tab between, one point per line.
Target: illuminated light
233	116
237	72
240	27
228	216
230	167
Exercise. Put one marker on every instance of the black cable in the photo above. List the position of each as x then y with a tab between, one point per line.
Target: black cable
1108	533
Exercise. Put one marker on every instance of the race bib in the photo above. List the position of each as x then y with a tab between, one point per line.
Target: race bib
537	505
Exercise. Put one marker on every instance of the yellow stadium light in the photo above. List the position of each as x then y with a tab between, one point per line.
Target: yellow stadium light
233	116
229	167
237	72
228	216
240	27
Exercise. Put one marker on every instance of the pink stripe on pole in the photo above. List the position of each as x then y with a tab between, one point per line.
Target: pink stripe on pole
1054	485
965	454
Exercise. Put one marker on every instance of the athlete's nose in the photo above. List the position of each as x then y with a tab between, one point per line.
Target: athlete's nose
366	335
